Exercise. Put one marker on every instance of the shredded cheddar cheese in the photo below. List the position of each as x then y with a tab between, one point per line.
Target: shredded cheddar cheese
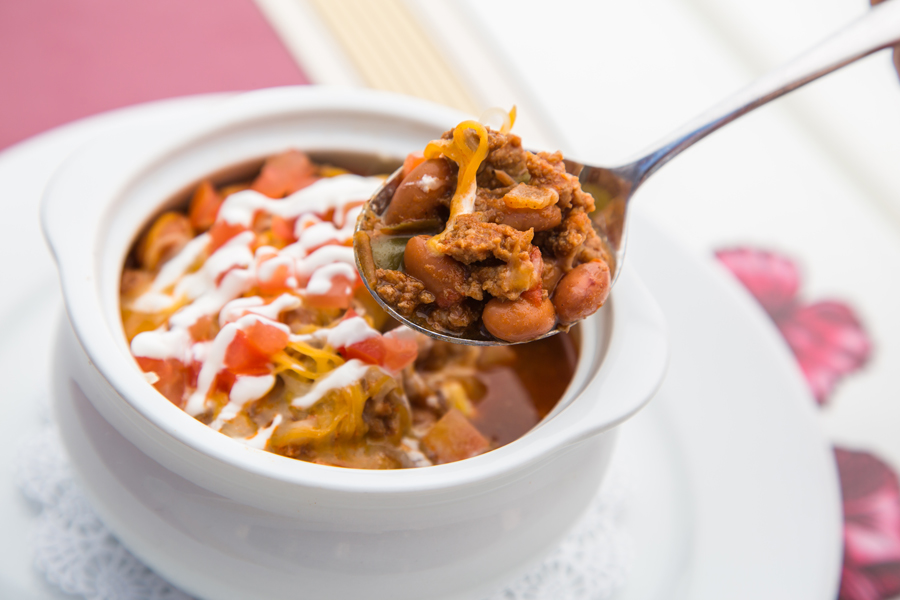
469	160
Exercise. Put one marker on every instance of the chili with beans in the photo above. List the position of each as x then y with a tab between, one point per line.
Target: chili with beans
244	309
498	241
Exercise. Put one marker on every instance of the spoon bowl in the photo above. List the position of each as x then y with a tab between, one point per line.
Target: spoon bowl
376	207
613	187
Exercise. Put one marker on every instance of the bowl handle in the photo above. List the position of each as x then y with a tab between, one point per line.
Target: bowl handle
632	368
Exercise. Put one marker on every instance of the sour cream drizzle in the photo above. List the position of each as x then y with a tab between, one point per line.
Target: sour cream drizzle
322	280
216	288
351	371
239	307
331	193
246	389
346	333
163	345
262	436
324	256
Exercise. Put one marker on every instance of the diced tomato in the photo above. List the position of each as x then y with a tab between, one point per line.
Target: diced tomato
244	358
413	160
278	281
224	382
283	229
250	350
194	373
338	296
284	174
454	438
275	277
266	338
399	353
205	206
370	351
221	232
391	353
174	377
534	295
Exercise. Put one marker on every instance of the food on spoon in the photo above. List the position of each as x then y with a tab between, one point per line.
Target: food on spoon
483	239
245	310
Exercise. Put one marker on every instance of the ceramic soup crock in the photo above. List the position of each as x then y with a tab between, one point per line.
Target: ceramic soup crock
225	521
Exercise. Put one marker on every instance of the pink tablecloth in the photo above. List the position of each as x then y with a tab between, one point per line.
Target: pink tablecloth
62	60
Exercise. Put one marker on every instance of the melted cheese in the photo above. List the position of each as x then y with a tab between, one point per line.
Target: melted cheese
344	376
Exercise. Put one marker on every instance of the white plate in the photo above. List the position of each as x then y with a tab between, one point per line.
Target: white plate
735	492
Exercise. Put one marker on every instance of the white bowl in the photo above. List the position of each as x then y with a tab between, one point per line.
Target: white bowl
222	520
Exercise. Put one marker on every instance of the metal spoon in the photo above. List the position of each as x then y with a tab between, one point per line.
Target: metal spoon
613	187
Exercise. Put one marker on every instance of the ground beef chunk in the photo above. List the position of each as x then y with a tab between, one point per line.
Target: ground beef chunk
384	416
594	249
548	170
509	280
582	200
453	319
565	243
469	239
401	291
505	154
487	200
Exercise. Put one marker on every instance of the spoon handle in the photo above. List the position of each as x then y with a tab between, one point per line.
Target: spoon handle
876	30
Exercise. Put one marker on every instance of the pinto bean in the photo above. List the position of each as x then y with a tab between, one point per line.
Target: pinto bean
441	275
582	291
518	320
418	194
524	219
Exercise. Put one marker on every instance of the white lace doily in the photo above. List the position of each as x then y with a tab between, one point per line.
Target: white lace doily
78	554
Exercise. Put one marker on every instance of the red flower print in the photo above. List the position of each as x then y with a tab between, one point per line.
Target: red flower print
826	337
772	279
871	527
828	342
